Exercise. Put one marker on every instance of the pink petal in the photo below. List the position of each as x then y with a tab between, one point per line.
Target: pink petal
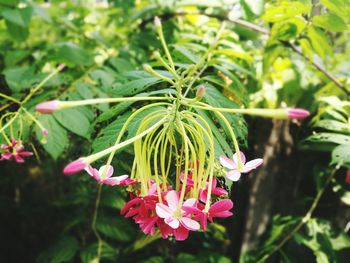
24	154
163	211
223	214
6	156
190	224
203	194
172	199
227	163
242	158
233	175
219	191
115	180
221	206
109	171
181	234
172	222
18	158
253	164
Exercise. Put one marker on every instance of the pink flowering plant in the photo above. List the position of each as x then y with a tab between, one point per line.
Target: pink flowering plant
174	184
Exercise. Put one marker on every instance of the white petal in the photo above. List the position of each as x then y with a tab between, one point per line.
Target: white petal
172	199
172	222
163	211
233	175
109	172
242	158
227	163
190	224
253	164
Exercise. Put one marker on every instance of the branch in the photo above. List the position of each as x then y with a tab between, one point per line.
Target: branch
266	31
303	221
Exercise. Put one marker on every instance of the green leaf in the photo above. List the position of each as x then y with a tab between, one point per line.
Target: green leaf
71	54
20	16
332	125
319	42
339	7
120	107
63	250
187	53
57	138
216	99
110	133
9	3
154	259
117	228
20	78
255	6
330	22
134	86
74	120
341	155
286	10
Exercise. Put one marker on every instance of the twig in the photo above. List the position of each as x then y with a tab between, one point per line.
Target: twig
94	219
265	31
303	221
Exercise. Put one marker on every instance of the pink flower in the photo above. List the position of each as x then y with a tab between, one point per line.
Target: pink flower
235	172
175	217
220	209
44	131
297	113
14	150
214	190
109	180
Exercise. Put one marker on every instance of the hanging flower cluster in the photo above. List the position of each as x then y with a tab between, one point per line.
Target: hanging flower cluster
175	183
14	150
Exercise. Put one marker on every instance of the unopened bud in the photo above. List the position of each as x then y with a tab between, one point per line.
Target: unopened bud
157	22
297	113
200	91
44	131
48	106
75	167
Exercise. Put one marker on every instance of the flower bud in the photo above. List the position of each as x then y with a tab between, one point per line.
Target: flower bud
297	113
200	91
44	132
157	22
74	167
48	106
61	66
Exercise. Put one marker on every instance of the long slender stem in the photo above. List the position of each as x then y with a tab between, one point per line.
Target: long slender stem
42	83
303	221
94	220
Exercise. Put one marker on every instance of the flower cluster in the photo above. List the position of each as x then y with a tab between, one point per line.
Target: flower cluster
175	212
14	150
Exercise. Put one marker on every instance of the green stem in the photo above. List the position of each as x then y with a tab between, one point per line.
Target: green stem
96	156
9	98
272	113
42	83
94	220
